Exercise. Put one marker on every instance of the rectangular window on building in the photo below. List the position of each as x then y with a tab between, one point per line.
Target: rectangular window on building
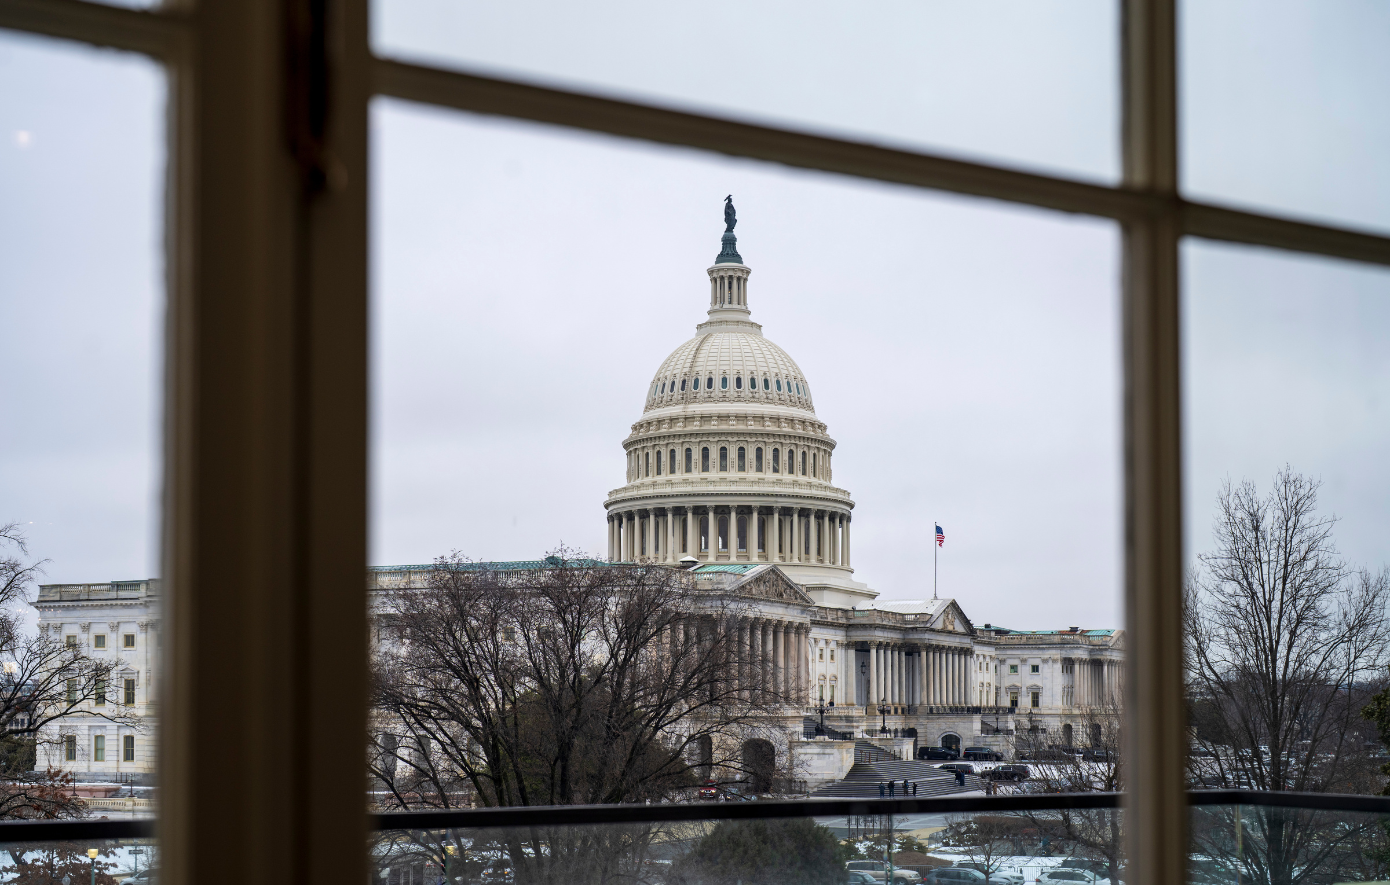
71	641
658	462
1013	668
1034	668
70	748
821	655
742	461
99	693
128	640
1035	699
688	468
128	748
704	460
758	460
99	641
1013	699
832	655
72	691
723	459
803	463
99	748
813	465
129	692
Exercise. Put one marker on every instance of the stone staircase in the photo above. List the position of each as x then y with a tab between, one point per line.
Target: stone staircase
810	728
864	777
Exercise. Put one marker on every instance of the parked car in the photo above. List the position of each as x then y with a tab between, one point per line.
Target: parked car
707	793
954	876
958	766
1065	876
938	753
862	877
879	871
981	754
998	877
1010	772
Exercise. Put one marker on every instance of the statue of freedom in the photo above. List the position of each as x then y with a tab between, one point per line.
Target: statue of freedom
730	216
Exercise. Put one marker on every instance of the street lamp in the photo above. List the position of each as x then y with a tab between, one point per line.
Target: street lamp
883	711
820	708
92	853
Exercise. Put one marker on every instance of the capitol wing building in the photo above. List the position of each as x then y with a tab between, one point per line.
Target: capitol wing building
729	475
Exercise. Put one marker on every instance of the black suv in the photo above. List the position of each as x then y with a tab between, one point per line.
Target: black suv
981	754
938	753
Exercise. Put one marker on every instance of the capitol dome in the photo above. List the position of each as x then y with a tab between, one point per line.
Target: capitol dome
729	367
729	462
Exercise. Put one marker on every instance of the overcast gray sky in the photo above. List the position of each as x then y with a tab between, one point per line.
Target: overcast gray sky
528	281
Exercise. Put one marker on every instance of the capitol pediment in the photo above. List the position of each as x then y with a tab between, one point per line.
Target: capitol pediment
772	583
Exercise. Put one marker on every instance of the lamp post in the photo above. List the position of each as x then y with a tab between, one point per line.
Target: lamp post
92	855
820	708
883	711
864	671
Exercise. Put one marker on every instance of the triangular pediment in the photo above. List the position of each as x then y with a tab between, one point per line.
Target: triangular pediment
771	582
950	619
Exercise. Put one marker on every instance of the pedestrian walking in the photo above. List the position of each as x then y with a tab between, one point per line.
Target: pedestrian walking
914	789
890	789
960	777
881	789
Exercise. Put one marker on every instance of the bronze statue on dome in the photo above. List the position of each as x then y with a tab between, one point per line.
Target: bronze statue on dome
730	216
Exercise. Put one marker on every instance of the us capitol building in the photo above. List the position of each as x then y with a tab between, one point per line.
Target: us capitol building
729	474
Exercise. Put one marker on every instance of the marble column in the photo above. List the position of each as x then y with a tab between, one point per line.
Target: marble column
778	686
923	687
847	549
756	531
794	533
873	675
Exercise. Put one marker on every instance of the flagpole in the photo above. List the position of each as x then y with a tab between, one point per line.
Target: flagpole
934	545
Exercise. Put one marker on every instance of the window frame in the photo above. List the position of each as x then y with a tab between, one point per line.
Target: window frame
267	285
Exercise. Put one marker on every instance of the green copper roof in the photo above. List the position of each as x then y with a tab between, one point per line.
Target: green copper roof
738	568
729	253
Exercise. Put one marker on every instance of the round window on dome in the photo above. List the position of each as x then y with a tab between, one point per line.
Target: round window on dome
738	383
724	382
779	385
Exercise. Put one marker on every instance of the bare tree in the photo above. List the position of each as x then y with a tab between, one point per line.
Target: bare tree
986	840
1283	641
578	682
1089	762
42	681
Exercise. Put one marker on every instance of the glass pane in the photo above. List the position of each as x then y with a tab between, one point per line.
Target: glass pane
102	861
1286	365
938	386
1254	844
1049	847
1035	87
1281	108
81	312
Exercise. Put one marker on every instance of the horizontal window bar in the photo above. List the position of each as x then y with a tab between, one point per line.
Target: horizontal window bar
573	815
508	98
164	35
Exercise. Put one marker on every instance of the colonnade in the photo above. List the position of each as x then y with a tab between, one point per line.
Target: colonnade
908	674
772	655
729	533
1096	682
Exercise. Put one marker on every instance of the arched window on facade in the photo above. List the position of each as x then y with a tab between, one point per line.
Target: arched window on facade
723	534
742	461
803	462
704	534
776	460
688	468
724	382
758	460
813	465
647	471
743	534
682	385
738	383
766	384
723	459
709	383
658	462
762	534
752	383
779	385
671	461
704	460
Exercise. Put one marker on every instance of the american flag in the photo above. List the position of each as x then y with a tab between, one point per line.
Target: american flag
940	537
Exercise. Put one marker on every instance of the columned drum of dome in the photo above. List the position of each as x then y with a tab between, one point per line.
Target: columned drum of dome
729	462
